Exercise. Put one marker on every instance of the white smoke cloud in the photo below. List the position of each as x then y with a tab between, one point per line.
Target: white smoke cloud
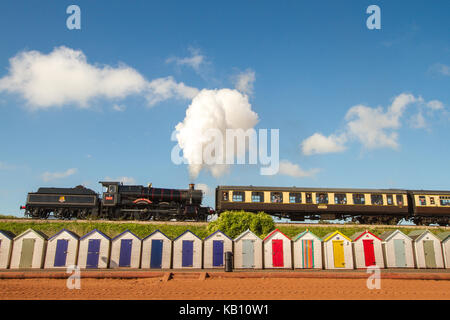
244	81
217	110
49	176
64	76
205	188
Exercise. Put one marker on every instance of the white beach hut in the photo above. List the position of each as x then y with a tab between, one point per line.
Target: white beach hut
187	251
277	250
29	250
6	244
307	251
62	250
248	251
337	251
367	250
445	242
125	251
94	250
156	251
427	249
214	247
398	249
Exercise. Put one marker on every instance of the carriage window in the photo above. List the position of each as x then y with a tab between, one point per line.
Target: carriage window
445	201
322	198
225	196
432	201
238	196
358	198
340	198
308	198
295	197
112	189
390	200
377	199
257	196
422	201
399	200
276	197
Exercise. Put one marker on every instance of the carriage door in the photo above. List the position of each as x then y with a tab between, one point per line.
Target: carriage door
156	254
277	253
26	256
338	253
125	252
400	255
93	253
307	254
248	253
217	253
61	253
428	249
188	253
369	253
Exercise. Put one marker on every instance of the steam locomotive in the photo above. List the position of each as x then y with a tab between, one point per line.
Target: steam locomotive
119	202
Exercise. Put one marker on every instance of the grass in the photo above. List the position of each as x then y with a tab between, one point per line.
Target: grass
173	231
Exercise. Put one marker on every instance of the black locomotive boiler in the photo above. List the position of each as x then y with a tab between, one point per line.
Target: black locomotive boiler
118	202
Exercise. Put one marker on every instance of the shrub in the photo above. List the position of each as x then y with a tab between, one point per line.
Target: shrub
233	223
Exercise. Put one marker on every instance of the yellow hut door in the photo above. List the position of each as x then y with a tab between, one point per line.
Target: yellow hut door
338	253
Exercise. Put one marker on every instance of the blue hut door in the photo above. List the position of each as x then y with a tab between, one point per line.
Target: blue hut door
61	252
156	254
125	252
93	253
217	253
248	253
400	254
188	253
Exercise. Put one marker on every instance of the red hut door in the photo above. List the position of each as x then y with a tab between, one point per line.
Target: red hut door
277	253
369	252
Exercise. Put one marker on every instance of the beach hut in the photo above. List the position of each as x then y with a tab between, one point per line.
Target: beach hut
156	251
277	250
445	242
214	247
94	250
125	251
367	250
62	250
307	251
29	250
187	251
248	251
337	251
6	244
398	249
427	249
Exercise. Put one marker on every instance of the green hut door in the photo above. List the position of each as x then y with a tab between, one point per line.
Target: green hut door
400	254
428	250
26	256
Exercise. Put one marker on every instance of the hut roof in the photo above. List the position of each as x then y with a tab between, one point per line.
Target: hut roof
444	235
273	232
332	234
73	234
95	231
387	235
37	232
156	231
245	233
187	231
358	235
126	231
218	231
300	235
8	234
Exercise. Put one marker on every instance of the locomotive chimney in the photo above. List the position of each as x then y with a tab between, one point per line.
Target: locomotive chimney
191	186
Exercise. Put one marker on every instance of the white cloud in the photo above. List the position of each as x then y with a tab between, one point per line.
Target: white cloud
124	180
244	81
418	121
289	169
49	176
319	144
435	105
440	68
119	107
195	61
64	76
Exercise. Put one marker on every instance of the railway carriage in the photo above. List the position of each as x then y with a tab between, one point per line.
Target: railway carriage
297	204
430	206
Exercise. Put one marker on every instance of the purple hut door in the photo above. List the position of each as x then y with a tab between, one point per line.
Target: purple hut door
125	252
61	252
93	253
217	253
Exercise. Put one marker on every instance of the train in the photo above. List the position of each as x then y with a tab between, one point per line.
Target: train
136	202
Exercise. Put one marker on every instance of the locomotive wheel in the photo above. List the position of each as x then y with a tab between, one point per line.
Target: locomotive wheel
83	214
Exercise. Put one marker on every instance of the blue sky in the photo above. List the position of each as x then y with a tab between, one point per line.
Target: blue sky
304	66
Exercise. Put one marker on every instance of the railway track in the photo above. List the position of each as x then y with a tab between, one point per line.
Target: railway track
283	224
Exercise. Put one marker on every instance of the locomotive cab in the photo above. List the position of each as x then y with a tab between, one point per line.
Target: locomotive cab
110	193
